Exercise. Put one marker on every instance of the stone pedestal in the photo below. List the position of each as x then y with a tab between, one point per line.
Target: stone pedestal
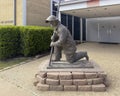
81	78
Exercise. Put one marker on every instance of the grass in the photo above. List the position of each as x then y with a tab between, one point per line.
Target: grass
10	62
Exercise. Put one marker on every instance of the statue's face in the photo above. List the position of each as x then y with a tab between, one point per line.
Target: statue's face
53	23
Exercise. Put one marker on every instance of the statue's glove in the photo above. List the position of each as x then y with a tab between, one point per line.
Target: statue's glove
52	44
52	38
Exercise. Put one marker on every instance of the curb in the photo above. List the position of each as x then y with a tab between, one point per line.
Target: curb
27	61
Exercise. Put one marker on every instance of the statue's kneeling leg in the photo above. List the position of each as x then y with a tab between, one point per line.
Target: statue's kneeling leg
70	58
81	55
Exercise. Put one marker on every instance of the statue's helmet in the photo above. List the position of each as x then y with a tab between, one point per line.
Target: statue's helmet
51	18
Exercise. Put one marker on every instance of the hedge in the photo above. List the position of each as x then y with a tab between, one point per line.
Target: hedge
26	41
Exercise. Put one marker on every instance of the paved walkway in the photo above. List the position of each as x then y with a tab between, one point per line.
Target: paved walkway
18	81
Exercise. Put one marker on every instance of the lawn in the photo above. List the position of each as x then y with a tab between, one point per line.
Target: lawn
10	62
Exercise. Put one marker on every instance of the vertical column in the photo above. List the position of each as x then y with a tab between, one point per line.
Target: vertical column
84	24
14	12
73	27
59	16
24	9
51	7
81	32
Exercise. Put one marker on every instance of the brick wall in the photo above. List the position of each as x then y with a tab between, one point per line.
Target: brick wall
6	12
37	12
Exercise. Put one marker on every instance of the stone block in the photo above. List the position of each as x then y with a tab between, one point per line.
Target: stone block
89	81
42	87
91	75
53	75
52	82
85	88
102	75
78	75
97	81
99	88
65	76
70	88
41	80
42	74
66	82
80	82
56	88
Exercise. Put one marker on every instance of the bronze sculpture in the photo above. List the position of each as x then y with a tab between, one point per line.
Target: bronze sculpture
62	40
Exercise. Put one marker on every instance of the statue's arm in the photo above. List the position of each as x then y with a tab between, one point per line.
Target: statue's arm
54	37
62	38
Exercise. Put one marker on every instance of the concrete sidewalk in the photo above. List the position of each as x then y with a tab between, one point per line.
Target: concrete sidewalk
18	81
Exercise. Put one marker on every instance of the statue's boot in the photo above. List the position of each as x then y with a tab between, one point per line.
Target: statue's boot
81	55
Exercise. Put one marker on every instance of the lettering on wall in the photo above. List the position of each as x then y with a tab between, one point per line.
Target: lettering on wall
7	22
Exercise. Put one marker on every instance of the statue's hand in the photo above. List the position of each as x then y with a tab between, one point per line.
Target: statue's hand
52	38
52	44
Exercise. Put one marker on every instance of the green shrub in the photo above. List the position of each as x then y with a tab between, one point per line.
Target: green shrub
9	42
35	40
27	41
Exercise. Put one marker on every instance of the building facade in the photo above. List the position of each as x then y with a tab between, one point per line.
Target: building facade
24	12
87	20
92	20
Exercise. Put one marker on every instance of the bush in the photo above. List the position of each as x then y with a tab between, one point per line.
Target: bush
27	41
35	40
9	42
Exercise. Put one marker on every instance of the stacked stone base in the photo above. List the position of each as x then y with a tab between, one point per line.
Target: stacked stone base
70	81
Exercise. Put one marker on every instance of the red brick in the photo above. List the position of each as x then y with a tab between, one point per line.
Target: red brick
42	87
70	88
91	75
52	82
66	82
56	88
53	75
80	82
65	75
85	88
78	75
97	80
99	88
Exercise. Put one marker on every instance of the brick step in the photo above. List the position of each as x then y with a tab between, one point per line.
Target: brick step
96	88
70	82
71	75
